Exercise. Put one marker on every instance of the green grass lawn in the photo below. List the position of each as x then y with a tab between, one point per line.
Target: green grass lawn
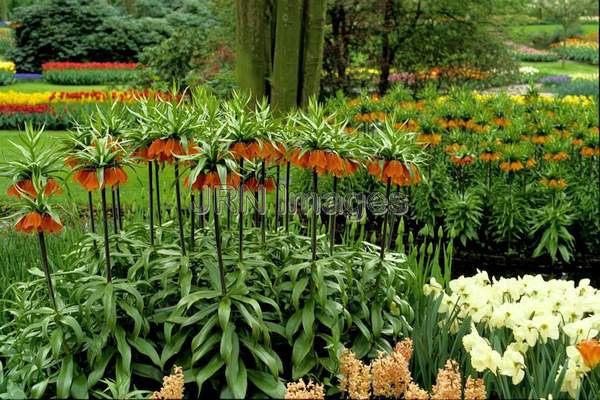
133	194
525	33
557	68
550	28
41	86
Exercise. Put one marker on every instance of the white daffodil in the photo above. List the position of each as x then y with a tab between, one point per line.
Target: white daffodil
513	365
547	327
473	340
525	331
433	287
519	347
483	357
532	309
580	330
571	382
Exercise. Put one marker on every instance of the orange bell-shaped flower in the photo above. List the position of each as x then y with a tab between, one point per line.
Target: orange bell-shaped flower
35	222
590	352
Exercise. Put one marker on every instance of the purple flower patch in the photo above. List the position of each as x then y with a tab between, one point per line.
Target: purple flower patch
555	79
27	76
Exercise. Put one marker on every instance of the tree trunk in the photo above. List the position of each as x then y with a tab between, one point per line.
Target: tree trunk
253	56
313	41
338	23
386	50
129	6
4	10
286	60
280	49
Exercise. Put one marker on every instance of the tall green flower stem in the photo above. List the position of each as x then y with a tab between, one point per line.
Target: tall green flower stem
461	179
218	240
394	224
332	216
315	196
114	210
241	212
106	243
119	209
510	196
179	213
151	203
385	218
201	208
228	202
262	213
192	220
276	198
287	197
46	267
256	210
157	180
91	210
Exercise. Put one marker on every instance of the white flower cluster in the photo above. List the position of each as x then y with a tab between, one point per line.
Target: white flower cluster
528	70
533	309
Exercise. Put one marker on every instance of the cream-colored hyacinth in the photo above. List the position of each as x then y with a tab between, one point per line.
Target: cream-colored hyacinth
533	309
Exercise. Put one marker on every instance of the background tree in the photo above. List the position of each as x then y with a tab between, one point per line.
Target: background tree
280	49
101	30
411	35
566	13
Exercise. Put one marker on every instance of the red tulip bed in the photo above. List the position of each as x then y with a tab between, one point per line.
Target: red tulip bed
58	110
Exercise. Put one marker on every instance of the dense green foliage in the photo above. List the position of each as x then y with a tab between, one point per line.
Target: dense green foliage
89	76
412	36
89	30
537	57
198	54
6	77
582	54
575	87
474	141
7	42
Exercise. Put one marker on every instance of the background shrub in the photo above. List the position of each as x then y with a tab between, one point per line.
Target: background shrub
80	30
88	73
537	57
580	53
578	87
6	77
7	42
200	52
